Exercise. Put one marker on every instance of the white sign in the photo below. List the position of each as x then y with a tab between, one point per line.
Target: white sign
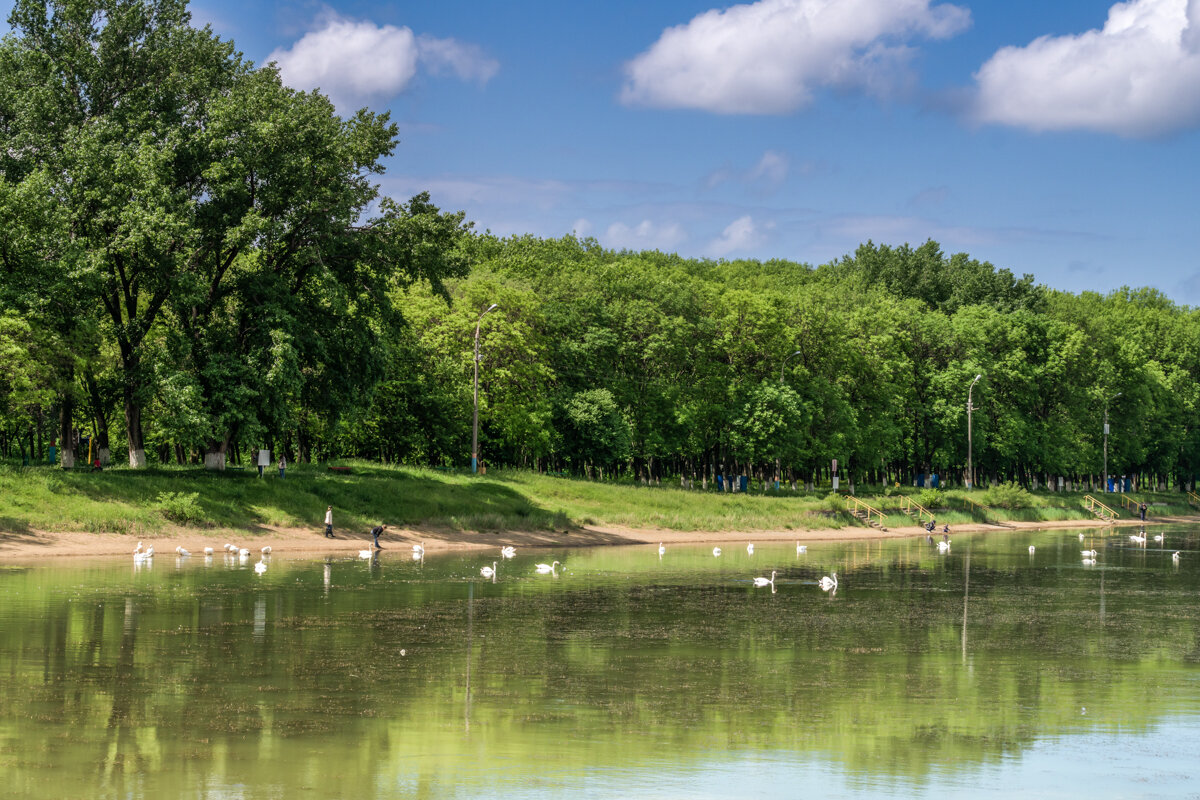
835	483
264	458
1106	429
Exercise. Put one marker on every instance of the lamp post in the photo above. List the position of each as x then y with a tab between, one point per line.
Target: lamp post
784	364
1106	402
475	417
970	442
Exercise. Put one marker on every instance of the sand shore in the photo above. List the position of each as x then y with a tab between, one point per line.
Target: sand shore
35	545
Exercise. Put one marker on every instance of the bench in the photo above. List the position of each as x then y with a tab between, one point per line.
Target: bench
343	470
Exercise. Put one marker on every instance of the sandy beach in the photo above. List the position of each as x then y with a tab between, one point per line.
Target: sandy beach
35	545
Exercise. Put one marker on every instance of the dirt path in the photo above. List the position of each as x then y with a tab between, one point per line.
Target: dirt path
36	545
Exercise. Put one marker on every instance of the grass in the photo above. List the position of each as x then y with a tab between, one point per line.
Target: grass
127	501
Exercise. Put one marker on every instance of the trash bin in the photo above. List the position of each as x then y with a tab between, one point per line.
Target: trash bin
744	480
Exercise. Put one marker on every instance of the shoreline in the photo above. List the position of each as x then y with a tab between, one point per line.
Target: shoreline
39	545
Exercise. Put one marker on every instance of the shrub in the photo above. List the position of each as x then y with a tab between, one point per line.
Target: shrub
930	498
1008	495
834	502
182	507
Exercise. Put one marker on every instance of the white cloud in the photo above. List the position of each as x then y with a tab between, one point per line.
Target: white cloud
772	168
646	235
768	57
741	234
356	62
1138	76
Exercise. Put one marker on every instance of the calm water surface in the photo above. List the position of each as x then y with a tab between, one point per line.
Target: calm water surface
983	671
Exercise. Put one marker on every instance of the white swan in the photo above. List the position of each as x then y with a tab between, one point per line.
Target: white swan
488	572
365	553
1158	538
1137	539
419	548
149	552
1088	553
260	567
765	581
508	551
266	551
1081	537
1031	549
750	548
208	551
181	552
943	547
545	568
716	551
138	549
661	549
1175	556
801	548
230	548
140	556
828	583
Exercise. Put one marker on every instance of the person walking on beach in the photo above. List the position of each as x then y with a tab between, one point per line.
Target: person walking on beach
378	529
329	522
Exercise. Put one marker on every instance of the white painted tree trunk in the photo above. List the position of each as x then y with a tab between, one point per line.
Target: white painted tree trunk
137	458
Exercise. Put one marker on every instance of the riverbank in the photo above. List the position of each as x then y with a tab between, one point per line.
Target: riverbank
311	542
47	510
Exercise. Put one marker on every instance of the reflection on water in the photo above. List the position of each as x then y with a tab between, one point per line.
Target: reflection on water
619	673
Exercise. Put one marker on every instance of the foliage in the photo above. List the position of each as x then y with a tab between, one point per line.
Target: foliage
1008	495
181	507
931	498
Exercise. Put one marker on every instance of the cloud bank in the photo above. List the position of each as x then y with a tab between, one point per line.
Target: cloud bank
355	62
1137	76
770	56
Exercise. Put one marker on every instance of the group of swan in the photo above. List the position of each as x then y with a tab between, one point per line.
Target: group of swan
144	555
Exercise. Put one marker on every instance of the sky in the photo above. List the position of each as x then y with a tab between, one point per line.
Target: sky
1060	139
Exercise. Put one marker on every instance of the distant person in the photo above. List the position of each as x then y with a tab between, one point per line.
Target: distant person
1142	511
329	522
282	465
945	529
376	531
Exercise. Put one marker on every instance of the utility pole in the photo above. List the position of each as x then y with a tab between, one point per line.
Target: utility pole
970	443
475	420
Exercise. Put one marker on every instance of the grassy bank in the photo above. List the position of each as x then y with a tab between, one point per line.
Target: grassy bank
127	501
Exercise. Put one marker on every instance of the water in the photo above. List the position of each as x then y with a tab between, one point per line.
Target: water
986	670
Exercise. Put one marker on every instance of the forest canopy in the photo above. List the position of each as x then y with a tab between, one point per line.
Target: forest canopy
195	262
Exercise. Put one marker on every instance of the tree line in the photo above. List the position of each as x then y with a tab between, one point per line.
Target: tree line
195	262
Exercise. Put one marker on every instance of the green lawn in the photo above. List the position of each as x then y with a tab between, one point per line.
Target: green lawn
128	501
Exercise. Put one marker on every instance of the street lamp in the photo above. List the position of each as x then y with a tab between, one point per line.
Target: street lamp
475	420
1106	402
784	364
970	443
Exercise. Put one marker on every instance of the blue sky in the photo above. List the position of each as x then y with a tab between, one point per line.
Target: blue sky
1059	139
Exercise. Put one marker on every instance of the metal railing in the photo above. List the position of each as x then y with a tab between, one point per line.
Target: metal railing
1099	509
974	505
1193	498
1129	502
910	507
853	504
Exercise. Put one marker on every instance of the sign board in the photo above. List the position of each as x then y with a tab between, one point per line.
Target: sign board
835	465
1106	429
264	458
835	483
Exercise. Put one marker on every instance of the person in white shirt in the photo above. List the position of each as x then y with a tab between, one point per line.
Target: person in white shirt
329	522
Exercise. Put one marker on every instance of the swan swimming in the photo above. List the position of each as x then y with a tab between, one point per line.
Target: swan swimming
801	548
765	581
661	549
750	548
260	567
508	551
1158	538
828	583
1175	556
365	553
546	568
419	548
943	547
716	551
266	551
488	572
1031	548
181	552
1088	553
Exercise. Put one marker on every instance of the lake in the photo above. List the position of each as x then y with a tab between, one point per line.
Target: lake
986	670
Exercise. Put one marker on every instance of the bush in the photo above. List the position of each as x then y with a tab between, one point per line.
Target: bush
182	507
834	502
1008	495
930	498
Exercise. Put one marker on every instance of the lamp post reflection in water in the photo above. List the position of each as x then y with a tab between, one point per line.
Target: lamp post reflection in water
470	625
966	595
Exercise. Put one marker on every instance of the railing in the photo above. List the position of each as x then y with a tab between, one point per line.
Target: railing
1099	509
1129	502
910	507
1193	498
853	504
974	505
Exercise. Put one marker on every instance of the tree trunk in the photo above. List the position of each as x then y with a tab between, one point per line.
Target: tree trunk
133	426
66	448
